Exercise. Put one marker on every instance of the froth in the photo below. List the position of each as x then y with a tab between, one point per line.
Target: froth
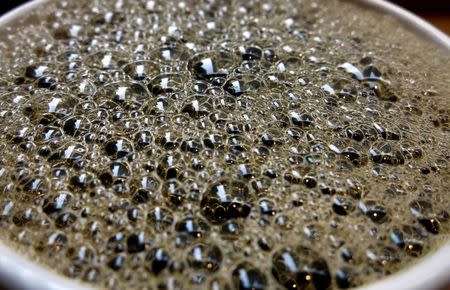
222	144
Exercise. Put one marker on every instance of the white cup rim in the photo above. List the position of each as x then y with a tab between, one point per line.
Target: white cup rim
431	272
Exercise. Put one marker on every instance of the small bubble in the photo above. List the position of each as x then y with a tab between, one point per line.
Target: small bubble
226	200
136	243
246	276
300	268
205	257
157	260
376	212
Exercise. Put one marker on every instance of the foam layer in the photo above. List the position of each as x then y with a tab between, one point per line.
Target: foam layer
222	144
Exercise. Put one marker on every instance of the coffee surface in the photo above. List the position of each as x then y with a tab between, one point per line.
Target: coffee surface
222	144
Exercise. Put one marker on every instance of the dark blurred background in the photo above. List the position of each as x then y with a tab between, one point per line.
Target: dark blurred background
6	5
435	11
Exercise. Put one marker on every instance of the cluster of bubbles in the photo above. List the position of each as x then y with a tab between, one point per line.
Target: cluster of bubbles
219	144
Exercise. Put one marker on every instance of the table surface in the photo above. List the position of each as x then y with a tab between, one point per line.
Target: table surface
441	21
